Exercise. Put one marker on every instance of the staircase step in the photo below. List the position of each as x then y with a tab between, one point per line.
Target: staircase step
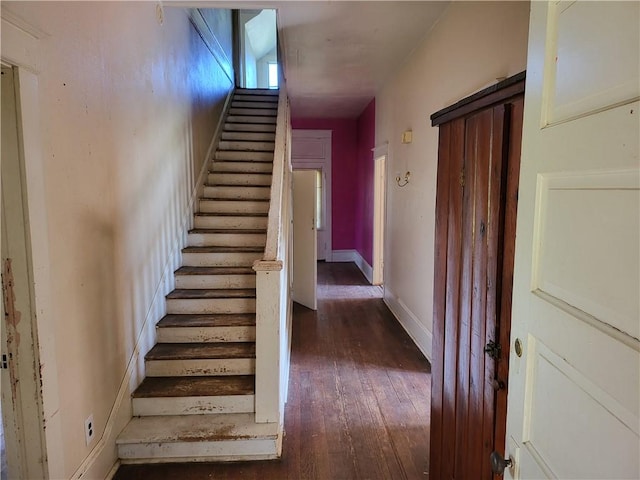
239	178
233	206
237	192
272	92
236	156
254	112
194	301
221	256
249	127
216	437
200	359
249	136
206	328
251	119
245	167
217	220
255	98
208	237
244	146
211	278
241	103
194	395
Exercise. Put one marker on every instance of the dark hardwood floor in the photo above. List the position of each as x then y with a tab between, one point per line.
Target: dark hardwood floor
358	405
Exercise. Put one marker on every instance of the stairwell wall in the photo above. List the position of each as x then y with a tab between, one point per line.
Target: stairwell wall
129	96
472	46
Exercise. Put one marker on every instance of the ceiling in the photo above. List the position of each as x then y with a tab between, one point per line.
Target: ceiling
339	54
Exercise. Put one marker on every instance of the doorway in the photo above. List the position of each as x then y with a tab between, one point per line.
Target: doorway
257	58
379	217
476	199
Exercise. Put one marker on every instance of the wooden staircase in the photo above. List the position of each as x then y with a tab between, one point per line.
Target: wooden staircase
197	401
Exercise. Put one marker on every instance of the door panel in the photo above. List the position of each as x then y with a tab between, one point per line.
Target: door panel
304	238
574	401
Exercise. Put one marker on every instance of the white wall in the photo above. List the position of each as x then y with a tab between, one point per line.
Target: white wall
472	45
127	108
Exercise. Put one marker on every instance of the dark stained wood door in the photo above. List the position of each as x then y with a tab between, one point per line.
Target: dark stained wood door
476	199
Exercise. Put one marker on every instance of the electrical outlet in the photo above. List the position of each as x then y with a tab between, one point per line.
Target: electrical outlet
89	429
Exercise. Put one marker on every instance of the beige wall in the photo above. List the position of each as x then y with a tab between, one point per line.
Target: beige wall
127	109
472	45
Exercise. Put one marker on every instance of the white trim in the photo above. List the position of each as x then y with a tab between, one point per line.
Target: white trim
353	256
420	335
379	217
380	151
212	43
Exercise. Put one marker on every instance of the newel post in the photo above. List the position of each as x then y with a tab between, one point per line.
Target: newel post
268	313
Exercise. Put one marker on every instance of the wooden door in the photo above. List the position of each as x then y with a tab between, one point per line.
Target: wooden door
574	397
479	154
305	265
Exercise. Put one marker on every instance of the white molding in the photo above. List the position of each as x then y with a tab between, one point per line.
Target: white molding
212	43
380	150
364	267
420	335
353	256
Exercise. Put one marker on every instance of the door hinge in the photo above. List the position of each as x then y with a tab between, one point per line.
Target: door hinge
493	349
5	362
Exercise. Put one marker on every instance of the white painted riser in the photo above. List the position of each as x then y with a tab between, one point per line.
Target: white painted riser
244	259
249	127
245	167
238	179
193	405
257	112
215	281
205	334
253	193
246	146
228	451
233	206
248	223
211	305
235	156
251	119
200	367
227	239
244	103
249	136
241	97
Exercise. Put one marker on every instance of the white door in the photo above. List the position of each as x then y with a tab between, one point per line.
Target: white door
379	204
304	238
573	410
311	149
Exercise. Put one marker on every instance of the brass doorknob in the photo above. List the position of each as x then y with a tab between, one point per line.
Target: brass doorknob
499	463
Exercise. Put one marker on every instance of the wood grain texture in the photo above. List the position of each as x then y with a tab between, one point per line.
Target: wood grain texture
188	351
195	386
358	405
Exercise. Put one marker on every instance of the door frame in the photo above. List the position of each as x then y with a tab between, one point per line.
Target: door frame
380	157
313	161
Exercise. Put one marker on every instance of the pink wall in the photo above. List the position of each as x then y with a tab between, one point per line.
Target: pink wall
351	178
366	126
344	158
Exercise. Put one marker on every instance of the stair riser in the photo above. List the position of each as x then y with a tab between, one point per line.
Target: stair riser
193	405
232	193
222	259
211	305
205	334
249	127
222	451
227	239
246	167
249	136
242	103
240	97
261	92
238	179
246	146
251	119
230	206
201	367
231	222
226	155
254	112
215	281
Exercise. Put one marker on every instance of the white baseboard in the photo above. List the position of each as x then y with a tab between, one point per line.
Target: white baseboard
347	256
420	335
100	461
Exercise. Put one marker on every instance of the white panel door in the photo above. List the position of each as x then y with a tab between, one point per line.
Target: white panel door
574	379
304	238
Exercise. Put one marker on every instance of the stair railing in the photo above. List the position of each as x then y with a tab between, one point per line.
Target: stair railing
273	305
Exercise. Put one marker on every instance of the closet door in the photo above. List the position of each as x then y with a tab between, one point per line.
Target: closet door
475	167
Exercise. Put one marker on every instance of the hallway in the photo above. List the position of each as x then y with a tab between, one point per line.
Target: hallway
358	405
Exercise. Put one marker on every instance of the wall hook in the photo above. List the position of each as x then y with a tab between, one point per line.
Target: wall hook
405	181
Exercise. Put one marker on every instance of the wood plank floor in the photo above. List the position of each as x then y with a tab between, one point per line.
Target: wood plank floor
358	404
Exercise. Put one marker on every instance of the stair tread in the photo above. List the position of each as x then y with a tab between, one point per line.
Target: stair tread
236	172
224	199
222	249
196	428
202	293
231	214
196	351
229	231
214	271
211	320
258	91
195	386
